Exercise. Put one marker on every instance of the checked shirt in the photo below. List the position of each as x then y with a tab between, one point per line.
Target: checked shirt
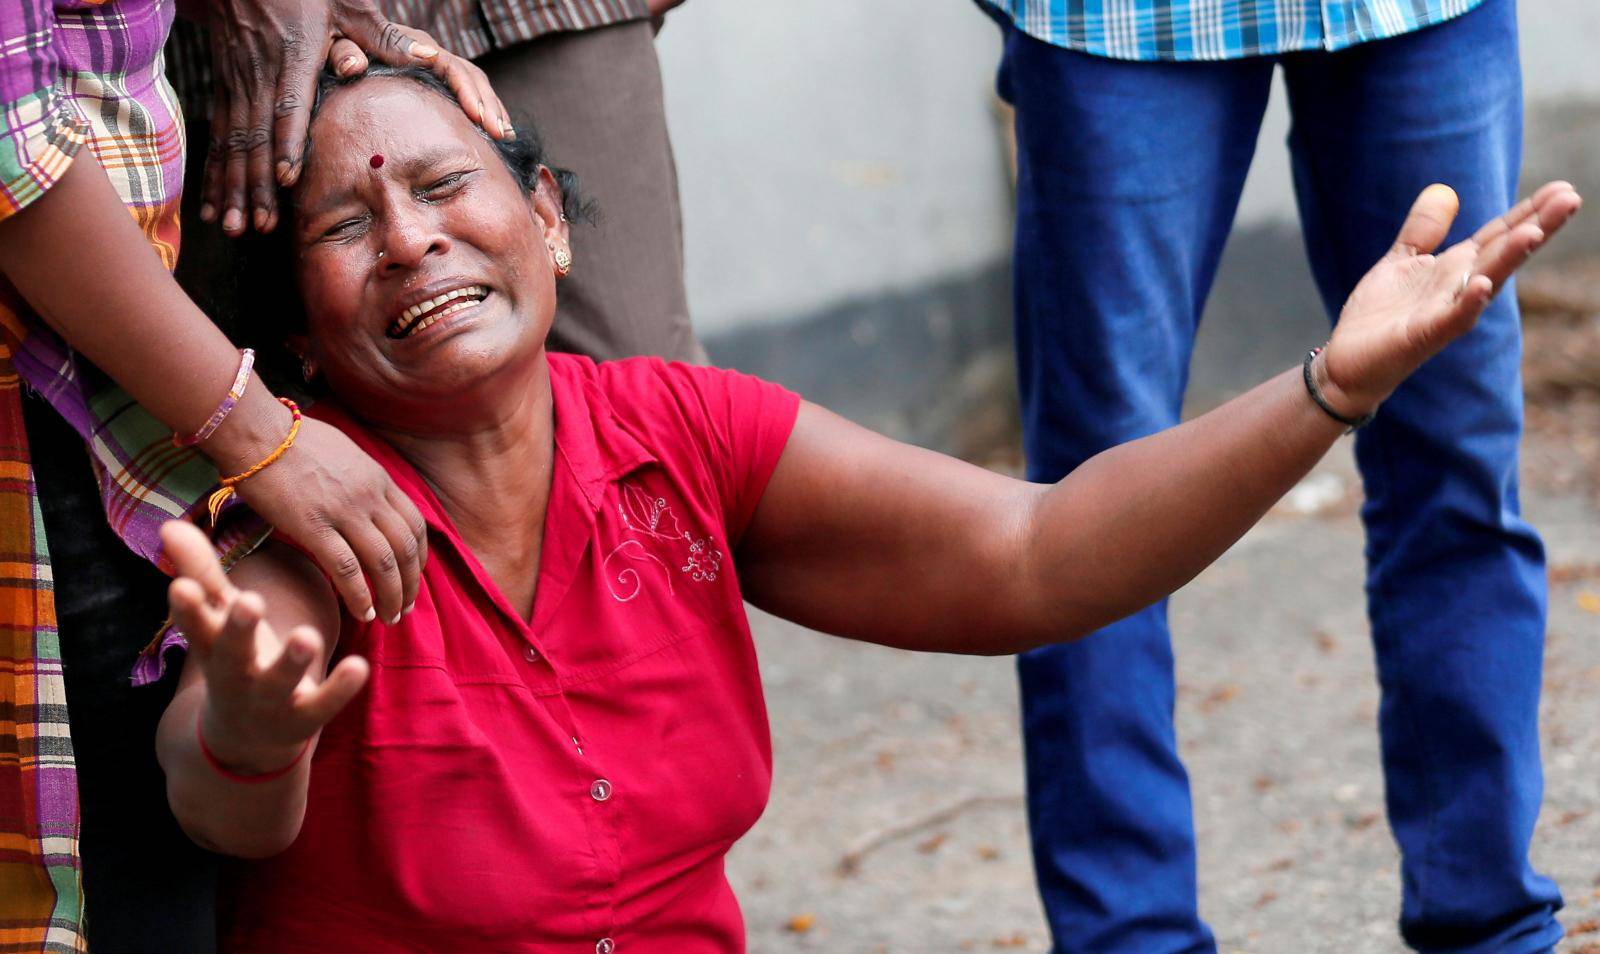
1219	29
74	74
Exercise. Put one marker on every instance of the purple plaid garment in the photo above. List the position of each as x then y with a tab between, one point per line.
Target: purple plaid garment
74	74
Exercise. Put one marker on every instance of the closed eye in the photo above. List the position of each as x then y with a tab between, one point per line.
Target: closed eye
445	186
344	228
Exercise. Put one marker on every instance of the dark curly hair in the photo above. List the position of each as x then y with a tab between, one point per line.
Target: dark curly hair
267	307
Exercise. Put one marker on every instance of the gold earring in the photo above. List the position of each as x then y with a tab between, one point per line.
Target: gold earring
563	261
308	369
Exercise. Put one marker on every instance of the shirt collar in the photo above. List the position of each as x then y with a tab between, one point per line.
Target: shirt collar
595	446
589	437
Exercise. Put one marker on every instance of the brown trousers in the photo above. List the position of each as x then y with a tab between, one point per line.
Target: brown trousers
595	97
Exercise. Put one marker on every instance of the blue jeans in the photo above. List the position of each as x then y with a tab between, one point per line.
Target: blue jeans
1129	175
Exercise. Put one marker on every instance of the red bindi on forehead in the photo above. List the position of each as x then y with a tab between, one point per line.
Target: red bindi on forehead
376	162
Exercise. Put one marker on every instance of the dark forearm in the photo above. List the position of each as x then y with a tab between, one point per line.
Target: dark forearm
860	536
1140	520
863	537
127	314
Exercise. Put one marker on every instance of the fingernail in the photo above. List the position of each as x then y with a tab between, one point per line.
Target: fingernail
372	614
232	220
395	620
347	65
506	130
424	50
284	168
299	652
408	609
260	220
208	212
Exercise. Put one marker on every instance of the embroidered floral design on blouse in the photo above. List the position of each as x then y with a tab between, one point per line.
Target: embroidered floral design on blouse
651	518
628	576
704	561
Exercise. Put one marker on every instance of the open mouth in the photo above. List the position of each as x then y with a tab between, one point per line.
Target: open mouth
423	314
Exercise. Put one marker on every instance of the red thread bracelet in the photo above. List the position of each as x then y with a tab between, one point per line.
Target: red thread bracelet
238	777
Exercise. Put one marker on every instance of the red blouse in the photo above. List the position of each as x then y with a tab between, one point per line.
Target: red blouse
571	783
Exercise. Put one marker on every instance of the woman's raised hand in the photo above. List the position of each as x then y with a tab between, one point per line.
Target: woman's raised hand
266	693
1413	302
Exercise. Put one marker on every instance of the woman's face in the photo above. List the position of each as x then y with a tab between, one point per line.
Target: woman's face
426	270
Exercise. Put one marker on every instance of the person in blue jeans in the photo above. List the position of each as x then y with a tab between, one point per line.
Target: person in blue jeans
1135	127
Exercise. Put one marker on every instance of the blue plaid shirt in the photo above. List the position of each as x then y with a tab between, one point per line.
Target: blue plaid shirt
1219	29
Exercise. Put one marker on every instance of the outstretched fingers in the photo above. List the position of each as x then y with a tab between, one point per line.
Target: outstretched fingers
1455	296
317	707
1460	312
200	595
1470	273
233	655
1502	246
279	681
195	618
1436	208
1550	206
1504	254
190	552
1467	276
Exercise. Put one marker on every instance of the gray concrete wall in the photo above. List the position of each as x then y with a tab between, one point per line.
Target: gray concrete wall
830	150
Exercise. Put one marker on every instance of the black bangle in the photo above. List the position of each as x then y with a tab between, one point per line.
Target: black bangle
1316	395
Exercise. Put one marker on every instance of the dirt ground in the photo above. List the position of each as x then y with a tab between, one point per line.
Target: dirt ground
897	825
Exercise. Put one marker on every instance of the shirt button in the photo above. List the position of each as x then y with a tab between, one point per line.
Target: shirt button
605	946
600	791
530	654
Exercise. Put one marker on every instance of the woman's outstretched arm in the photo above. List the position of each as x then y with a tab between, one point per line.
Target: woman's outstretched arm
864	537
255	687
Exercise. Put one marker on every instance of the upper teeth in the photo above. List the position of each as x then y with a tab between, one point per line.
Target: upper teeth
410	314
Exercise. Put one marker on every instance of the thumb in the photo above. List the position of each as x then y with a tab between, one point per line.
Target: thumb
1429	220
